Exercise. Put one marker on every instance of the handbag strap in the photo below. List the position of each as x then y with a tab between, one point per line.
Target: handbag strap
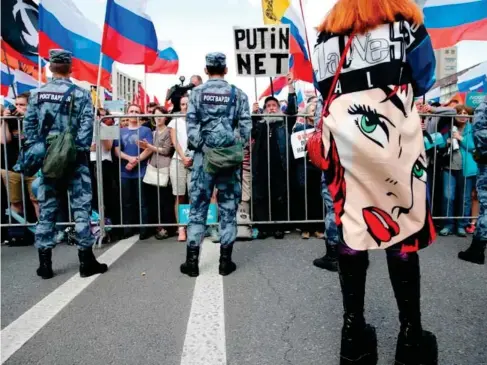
329	99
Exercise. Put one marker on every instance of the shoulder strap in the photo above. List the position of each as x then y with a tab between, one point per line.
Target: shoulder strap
329	99
232	97
47	128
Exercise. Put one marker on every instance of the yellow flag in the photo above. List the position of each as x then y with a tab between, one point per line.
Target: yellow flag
94	98
273	10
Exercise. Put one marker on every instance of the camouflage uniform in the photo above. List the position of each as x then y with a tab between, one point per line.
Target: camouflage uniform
329	261
331	229
209	126
45	104
476	252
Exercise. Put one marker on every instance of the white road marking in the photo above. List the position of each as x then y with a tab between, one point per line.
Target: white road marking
16	334
204	343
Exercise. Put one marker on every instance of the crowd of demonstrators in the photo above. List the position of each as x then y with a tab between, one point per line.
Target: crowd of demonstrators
156	180
270	163
451	168
161	144
180	167
308	182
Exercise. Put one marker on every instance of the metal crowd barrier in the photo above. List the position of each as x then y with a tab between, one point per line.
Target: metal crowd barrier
102	132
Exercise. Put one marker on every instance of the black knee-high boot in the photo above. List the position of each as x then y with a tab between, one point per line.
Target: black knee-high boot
359	341
414	346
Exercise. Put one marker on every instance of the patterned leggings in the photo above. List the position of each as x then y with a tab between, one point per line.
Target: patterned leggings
345	250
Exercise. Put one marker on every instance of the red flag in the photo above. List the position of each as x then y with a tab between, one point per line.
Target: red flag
144	98
156	101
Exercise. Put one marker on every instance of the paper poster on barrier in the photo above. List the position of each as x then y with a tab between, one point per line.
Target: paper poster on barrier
262	51
212	217
115	106
298	142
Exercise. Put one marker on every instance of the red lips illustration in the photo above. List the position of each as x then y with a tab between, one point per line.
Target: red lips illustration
380	224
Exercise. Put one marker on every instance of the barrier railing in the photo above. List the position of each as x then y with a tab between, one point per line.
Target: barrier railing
282	187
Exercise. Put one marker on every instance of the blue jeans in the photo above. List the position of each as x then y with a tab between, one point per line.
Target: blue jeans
457	197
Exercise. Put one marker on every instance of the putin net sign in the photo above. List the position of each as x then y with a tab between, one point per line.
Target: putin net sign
262	51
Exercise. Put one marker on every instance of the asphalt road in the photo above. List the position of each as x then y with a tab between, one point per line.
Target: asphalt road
276	309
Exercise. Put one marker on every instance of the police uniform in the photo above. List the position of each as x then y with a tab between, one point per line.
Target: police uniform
45	104
209	125
476	252
330	260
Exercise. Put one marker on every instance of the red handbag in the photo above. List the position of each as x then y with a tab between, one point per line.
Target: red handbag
314	146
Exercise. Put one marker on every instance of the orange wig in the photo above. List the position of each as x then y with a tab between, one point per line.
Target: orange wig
361	16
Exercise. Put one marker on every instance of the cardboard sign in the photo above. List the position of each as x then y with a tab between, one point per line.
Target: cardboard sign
117	106
262	51
298	142
109	133
212	217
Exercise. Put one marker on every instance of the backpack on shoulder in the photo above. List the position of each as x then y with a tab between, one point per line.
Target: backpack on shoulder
61	151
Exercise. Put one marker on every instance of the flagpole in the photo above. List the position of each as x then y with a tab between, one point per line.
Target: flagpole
145	91
306	35
99	174
39	65
255	88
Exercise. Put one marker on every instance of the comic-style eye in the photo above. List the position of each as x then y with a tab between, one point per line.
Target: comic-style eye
419	171
371	124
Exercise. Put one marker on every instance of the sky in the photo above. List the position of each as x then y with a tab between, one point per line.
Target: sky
197	27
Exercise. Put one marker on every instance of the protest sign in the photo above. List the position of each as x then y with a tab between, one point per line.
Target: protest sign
262	51
298	142
116	106
183	211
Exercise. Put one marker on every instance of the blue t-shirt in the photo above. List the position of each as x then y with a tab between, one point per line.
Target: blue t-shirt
128	145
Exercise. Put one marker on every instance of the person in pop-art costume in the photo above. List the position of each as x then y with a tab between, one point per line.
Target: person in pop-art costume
375	162
475	253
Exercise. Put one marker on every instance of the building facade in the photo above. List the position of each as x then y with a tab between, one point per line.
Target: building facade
125	87
446	62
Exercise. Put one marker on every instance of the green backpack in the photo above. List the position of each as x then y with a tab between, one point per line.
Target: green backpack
224	158
61	151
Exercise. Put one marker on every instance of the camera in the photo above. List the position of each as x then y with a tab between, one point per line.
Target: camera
177	92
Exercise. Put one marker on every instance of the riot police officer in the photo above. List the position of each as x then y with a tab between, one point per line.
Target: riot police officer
49	103
476	252
218	117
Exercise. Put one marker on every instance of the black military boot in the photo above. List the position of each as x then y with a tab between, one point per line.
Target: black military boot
359	341
45	263
475	253
414	345
227	266
190	267
88	265
330	260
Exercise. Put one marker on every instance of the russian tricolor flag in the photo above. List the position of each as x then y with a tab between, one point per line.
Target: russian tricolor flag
129	35
278	84
108	95
451	21
7	79
167	61
474	79
287	12
62	25
300	99
24	82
